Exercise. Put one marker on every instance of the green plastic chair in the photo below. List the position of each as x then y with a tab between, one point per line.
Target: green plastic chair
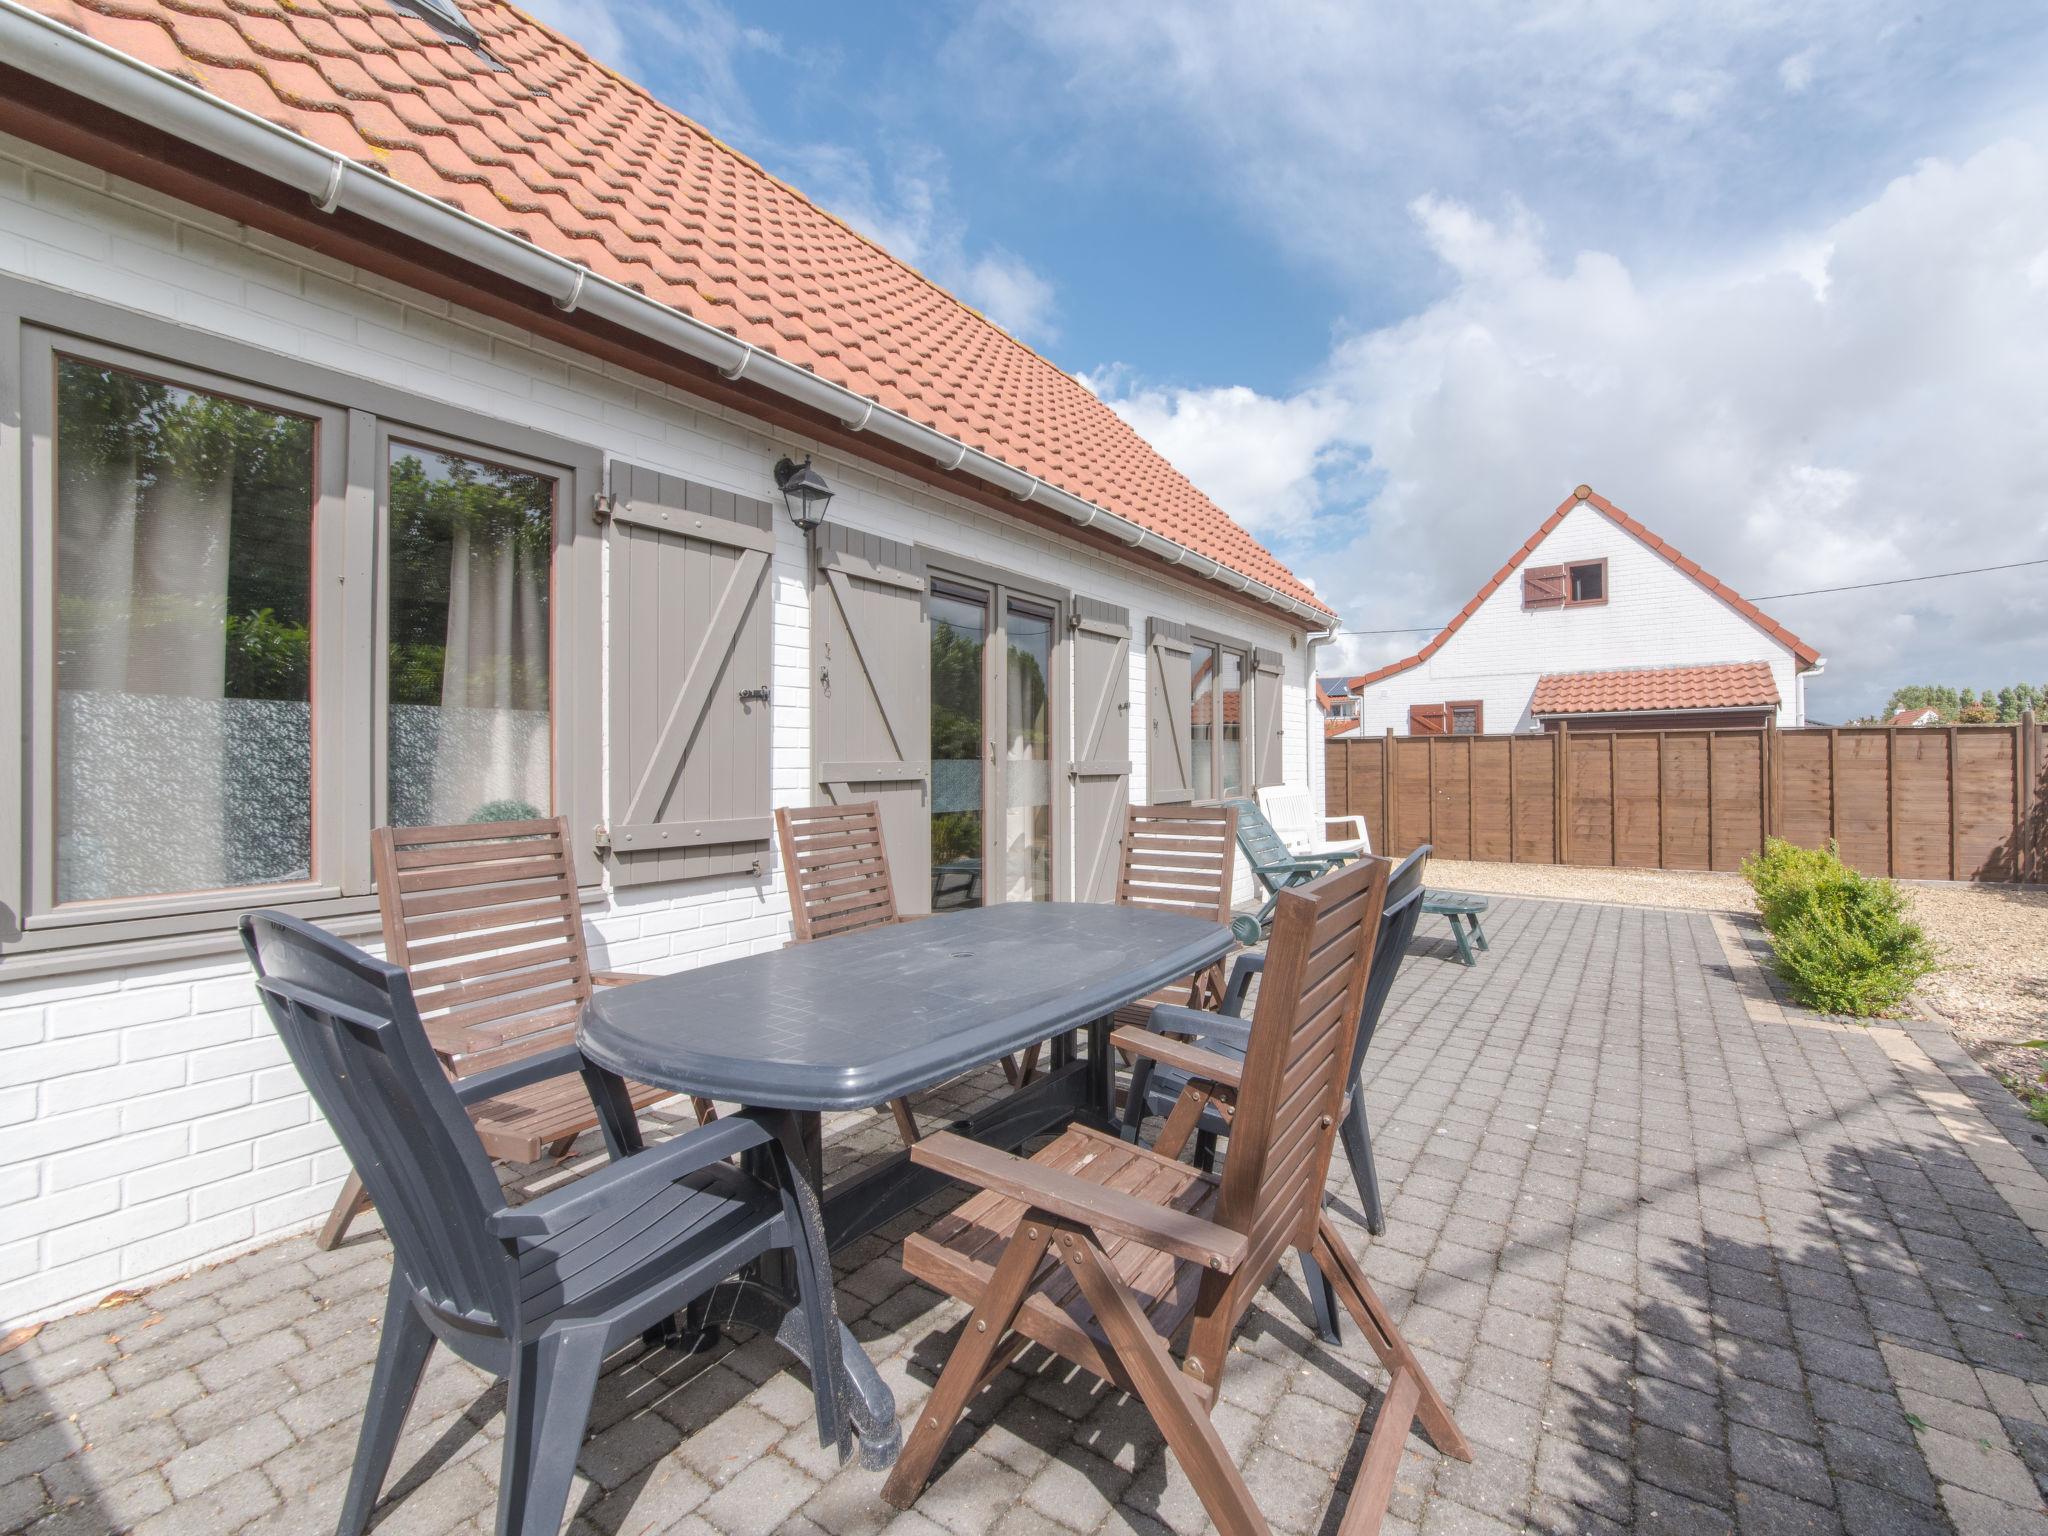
1276	867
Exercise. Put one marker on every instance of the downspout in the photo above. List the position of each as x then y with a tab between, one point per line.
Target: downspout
91	69
1313	738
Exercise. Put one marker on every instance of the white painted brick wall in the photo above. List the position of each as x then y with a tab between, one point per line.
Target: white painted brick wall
1655	616
149	1120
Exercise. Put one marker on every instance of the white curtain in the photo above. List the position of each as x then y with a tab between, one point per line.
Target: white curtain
143	601
493	744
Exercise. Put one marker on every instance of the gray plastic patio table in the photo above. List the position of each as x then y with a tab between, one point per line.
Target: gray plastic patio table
861	1019
858	1020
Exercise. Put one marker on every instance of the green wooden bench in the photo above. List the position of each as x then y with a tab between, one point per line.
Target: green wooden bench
1453	906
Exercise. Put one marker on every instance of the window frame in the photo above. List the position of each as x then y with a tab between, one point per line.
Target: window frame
1002	585
1451	708
1246	732
1571	571
354	416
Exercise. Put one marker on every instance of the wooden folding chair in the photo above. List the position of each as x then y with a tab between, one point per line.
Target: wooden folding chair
485	917
1179	858
838	872
1103	1252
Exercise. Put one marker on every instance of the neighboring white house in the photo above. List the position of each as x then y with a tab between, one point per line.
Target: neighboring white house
1598	621
1915	719
389	431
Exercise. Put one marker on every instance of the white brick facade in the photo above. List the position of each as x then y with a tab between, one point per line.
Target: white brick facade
149	1120
1655	616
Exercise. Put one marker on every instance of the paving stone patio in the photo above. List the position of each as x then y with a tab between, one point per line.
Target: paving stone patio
1684	1260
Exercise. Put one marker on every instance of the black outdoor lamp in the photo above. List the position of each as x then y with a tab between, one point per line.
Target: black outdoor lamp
804	492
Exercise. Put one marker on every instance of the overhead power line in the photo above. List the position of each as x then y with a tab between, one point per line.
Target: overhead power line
1776	597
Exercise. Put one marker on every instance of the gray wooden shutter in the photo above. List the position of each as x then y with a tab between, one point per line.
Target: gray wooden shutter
1266	718
871	695
691	619
1168	693
1102	745
1543	586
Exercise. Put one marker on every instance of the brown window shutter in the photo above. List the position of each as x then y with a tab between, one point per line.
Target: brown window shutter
1269	758
1169	693
691	744
1543	586
1429	720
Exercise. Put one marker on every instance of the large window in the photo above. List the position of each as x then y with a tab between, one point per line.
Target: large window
1217	711
267	608
472	543
184	730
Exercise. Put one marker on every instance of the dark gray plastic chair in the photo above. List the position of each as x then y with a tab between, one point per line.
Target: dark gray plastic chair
538	1293
1154	1088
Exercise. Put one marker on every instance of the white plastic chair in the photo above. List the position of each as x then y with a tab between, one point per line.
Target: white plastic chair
1293	815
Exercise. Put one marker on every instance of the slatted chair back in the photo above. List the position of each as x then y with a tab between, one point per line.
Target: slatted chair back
837	868
1292	1088
485	919
1398	916
351	1027
1262	845
1179	858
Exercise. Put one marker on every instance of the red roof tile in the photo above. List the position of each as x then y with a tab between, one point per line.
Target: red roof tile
1730	685
590	167
1806	654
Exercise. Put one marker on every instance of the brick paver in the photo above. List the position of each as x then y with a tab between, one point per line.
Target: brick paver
1683	1258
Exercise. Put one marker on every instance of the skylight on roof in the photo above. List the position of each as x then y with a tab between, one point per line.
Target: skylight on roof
446	18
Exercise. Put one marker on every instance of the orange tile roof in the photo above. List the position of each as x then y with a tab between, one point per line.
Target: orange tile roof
588	166
1806	654
1338	727
1728	685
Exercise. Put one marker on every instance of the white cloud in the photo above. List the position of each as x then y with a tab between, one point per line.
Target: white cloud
1870	404
1006	289
1256	455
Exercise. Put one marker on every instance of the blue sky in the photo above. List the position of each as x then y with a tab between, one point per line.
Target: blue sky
1771	274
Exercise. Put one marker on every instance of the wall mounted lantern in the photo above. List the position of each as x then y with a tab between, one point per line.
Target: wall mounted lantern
804	493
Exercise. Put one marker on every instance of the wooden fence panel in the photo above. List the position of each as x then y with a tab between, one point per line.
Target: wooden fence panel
1493	799
1687	815
1955	802
1534	763
1806	800
1862	806
1986	803
1638	822
1737	812
1589	777
1451	788
1920	804
1353	774
1411	794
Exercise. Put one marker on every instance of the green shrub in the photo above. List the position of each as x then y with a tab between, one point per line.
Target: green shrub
1841	940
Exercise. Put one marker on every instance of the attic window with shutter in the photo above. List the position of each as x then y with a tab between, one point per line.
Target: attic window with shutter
1543	586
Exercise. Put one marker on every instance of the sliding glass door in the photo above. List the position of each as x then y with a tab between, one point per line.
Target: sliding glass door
993	743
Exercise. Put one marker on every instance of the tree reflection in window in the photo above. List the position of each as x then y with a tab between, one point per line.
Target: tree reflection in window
184	524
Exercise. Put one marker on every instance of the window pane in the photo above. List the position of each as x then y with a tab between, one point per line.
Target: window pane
1464	720
1589	583
959	628
1233	724
468	733
1201	724
184	717
1027	828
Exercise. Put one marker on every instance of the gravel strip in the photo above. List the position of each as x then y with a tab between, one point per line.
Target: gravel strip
1991	990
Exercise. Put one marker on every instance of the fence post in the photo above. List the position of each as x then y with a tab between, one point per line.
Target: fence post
2024	866
1891	801
1955	829
1835	785
1767	783
1387	793
1562	779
